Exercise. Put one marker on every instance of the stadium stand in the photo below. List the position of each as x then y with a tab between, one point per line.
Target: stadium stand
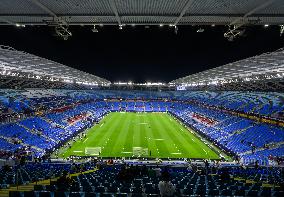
140	180
59	114
36	122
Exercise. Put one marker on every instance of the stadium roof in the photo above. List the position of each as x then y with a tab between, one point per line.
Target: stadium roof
27	66
147	12
265	67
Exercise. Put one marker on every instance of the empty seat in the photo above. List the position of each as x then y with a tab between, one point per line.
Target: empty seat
226	192
100	189
124	190
75	194
252	193
59	194
14	194
38	188
29	194
213	192
44	194
265	193
240	192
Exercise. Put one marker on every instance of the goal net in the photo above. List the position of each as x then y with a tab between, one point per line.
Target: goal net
140	151
93	151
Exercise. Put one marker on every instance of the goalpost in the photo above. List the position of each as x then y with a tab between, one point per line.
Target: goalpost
140	151
96	151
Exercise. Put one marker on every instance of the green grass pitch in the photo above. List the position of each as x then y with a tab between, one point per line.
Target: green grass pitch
160	133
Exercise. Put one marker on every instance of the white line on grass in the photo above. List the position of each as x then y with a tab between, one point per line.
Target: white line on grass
85	140
102	124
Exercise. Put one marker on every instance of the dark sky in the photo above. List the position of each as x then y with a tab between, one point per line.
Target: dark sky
142	54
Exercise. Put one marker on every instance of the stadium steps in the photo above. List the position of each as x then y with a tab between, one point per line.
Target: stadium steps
31	131
30	186
241	107
7	139
235	133
275	146
51	122
242	130
24	144
257	108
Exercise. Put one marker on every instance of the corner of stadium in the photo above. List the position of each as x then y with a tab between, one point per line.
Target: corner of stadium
66	132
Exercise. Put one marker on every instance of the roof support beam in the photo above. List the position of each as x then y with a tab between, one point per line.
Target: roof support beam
114	9
185	8
260	7
50	12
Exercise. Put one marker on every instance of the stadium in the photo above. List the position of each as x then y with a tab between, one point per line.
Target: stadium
65	131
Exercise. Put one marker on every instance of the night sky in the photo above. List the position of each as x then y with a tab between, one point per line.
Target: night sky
142	54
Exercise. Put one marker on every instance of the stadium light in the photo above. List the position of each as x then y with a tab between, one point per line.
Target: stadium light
120	27
176	29
266	25
161	25
281	29
200	30
20	25
95	30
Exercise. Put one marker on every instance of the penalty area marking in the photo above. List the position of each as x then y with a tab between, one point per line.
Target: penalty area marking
85	140
176	153
126	152
77	151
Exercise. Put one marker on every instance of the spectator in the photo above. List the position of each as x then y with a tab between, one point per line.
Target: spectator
165	186
64	182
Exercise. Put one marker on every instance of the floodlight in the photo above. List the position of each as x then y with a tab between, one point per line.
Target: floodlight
95	30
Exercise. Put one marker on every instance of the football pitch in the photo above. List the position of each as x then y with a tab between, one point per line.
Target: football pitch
128	134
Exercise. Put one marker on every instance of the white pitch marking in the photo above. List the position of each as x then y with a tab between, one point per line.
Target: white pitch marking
176	153
102	124
159	139
85	140
77	151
